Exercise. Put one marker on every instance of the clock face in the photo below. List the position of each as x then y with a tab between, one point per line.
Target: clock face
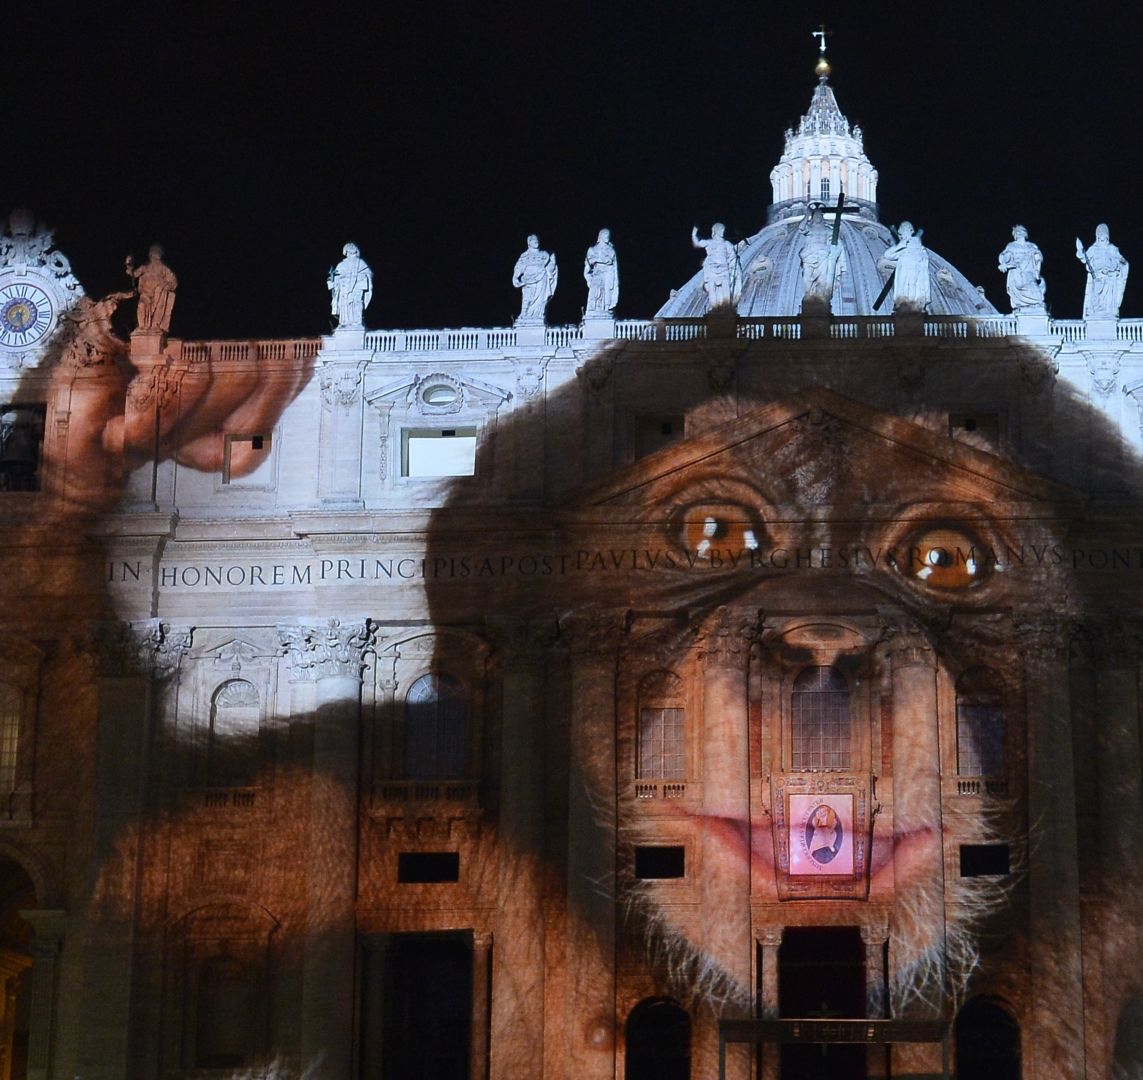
26	315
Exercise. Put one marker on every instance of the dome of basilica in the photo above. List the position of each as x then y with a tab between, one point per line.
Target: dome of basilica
822	159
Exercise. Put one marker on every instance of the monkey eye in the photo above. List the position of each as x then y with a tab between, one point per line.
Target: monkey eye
702	529
946	557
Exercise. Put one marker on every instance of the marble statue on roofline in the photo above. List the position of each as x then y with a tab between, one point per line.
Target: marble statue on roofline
535	275
909	262
719	266
820	258
350	283
601	272
1106	276
155	285
1021	260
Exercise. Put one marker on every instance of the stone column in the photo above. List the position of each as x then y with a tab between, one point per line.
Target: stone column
129	657
481	989
1053	1040
47	939
518	986
918	988
771	942
593	641
331	655
724	886
874	938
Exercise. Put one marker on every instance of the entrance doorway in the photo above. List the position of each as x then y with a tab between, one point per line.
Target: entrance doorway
987	1042
821	974
417	1007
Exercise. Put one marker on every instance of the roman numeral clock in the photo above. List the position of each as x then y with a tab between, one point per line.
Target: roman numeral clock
26	314
37	287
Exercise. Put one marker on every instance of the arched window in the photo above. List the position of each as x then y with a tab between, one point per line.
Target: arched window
661	736
436	729
821	735
658	1041
232	753
987	1042
979	724
10	702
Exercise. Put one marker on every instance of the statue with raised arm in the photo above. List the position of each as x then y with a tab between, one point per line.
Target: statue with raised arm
350	284
820	258
601	272
535	275
1106	276
719	266
1022	260
155	286
909	261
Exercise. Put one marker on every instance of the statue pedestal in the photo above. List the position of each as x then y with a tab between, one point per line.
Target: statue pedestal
815	318
347	339
147	346
1032	325
529	333
1101	329
598	327
722	322
910	322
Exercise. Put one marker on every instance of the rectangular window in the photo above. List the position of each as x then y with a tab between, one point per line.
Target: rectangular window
9	736
245	455
984	860
660	863
21	444
439	452
825	189
661	737
654	432
427	867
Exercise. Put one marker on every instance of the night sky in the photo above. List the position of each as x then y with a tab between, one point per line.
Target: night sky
253	140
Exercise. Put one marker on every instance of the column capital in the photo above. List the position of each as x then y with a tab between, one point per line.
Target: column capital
770	937
329	649
594	633
1044	635
726	640
48	926
146	647
1113	642
907	645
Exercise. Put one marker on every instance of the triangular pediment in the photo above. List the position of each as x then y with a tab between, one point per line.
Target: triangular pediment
817	448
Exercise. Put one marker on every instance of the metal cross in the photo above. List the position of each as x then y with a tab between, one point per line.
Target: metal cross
821	34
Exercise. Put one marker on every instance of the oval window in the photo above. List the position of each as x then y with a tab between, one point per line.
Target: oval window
439	394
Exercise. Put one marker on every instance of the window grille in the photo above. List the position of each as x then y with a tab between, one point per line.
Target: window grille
821	731
9	735
979	725
436	723
661	742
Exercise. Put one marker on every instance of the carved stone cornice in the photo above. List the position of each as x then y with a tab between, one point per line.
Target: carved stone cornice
332	649
521	639
595	372
148	647
1038	370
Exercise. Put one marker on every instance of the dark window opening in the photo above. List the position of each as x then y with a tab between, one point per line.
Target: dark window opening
427	867
238	451
656	863
21	445
654	432
436	729
983	860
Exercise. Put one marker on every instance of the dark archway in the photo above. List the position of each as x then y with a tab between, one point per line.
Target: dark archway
821	973
658	1041
987	1042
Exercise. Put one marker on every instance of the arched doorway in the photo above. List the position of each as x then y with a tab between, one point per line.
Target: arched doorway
987	1042
658	1041
17	893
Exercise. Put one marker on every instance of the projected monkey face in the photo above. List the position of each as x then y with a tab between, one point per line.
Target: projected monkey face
794	537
